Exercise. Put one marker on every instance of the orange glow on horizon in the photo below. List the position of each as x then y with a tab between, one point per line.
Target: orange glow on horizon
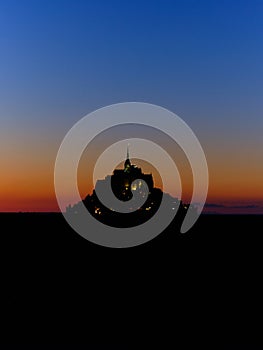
27	176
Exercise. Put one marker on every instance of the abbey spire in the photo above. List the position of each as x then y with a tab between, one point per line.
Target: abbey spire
127	164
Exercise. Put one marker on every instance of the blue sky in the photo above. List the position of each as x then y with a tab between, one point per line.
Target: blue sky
202	59
69	57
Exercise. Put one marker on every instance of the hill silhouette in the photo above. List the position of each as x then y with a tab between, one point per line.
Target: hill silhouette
129	185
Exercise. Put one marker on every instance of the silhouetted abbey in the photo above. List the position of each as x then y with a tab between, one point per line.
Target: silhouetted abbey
126	183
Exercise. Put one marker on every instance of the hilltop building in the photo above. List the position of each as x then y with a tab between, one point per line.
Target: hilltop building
125	183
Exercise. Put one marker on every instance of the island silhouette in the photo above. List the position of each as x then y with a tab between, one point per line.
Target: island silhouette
130	185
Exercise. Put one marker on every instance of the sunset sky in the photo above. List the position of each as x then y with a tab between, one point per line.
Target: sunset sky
200	59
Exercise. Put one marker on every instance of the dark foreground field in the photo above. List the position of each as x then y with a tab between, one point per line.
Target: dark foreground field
201	288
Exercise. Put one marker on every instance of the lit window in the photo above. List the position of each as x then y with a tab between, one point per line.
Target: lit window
134	187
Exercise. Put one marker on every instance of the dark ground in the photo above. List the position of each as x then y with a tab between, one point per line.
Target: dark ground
201	288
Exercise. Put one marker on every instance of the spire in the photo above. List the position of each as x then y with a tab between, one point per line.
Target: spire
127	163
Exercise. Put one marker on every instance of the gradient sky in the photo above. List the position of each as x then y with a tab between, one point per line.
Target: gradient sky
60	60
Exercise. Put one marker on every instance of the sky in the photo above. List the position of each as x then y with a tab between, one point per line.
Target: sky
60	60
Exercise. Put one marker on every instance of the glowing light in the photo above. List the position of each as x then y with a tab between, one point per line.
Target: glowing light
134	187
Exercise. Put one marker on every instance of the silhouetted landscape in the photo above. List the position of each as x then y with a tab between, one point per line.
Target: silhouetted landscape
197	287
130	185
